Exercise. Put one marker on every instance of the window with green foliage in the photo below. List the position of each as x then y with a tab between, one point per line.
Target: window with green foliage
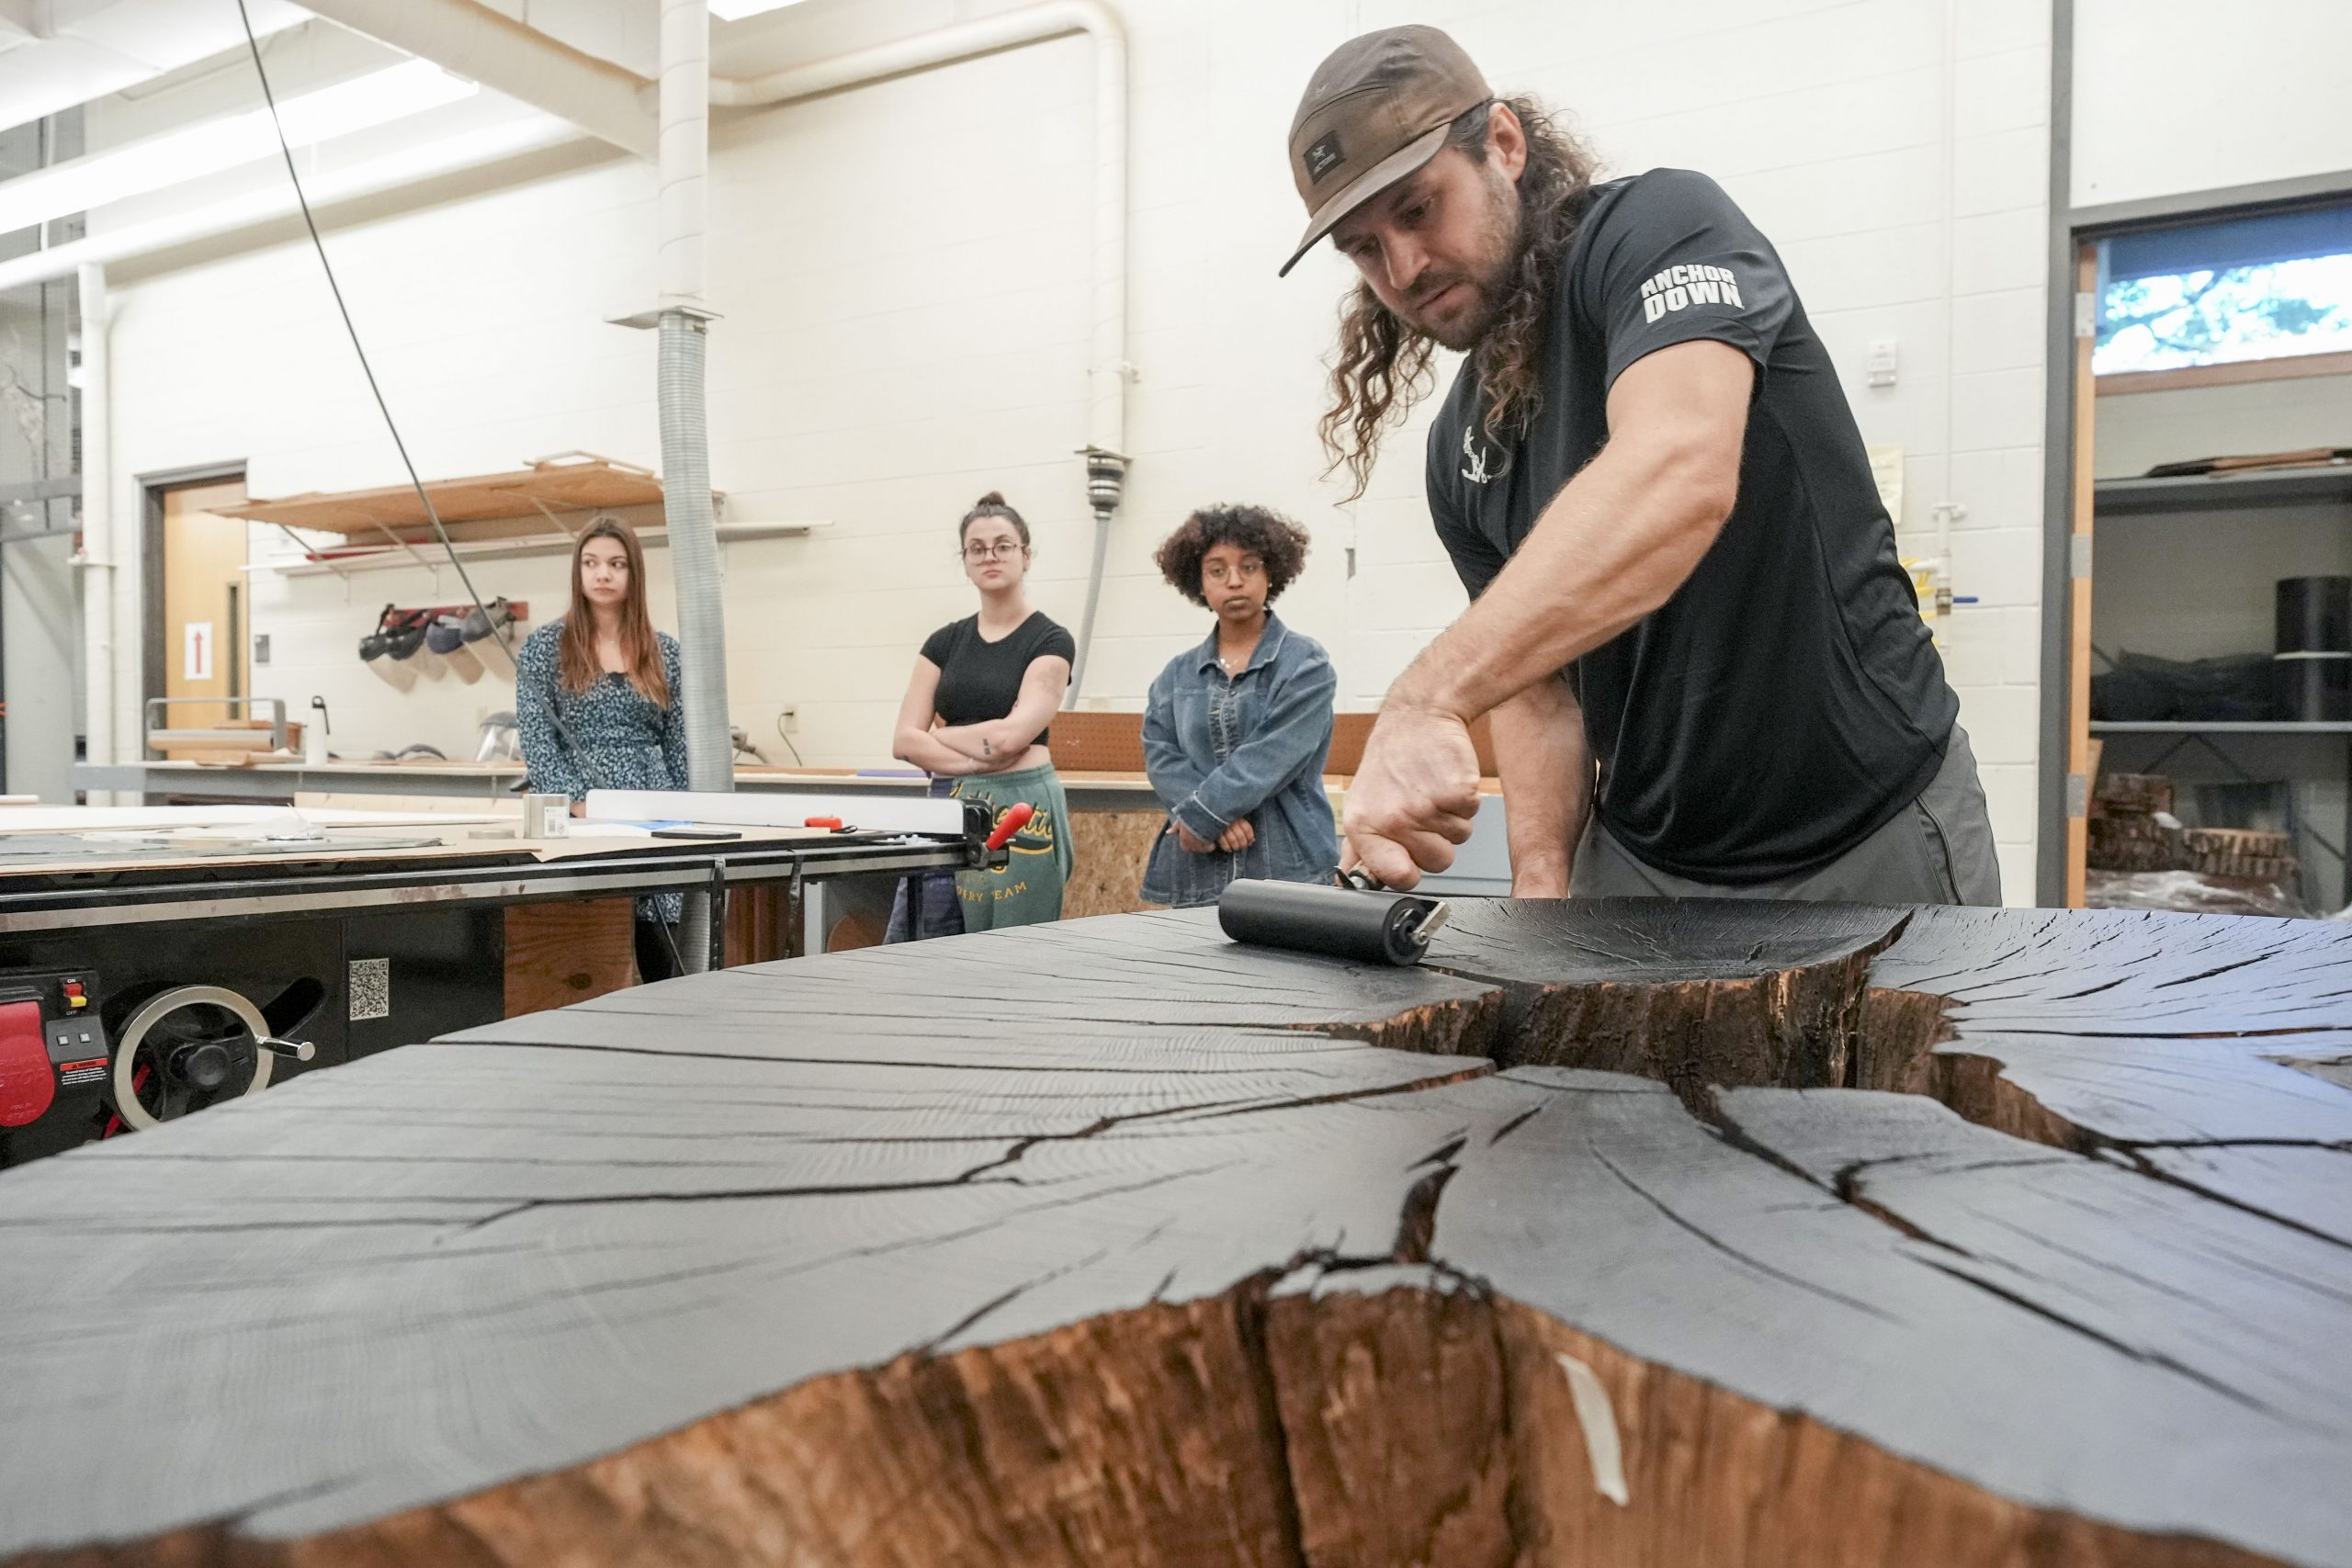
2251	288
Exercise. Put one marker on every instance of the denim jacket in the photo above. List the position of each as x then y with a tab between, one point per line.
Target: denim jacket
1252	745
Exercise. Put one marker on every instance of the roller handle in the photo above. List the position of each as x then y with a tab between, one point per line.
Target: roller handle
1360	925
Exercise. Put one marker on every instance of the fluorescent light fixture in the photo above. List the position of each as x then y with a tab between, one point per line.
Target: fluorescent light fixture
736	10
155	163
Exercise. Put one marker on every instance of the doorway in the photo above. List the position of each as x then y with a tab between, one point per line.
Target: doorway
197	602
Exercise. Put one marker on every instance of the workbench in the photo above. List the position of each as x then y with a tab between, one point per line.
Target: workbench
204	943
1115	812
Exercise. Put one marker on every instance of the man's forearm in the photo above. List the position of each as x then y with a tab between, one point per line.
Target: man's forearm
1613	546
1548	781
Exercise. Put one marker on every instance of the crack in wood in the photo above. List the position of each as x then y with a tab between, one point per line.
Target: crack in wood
1348	1407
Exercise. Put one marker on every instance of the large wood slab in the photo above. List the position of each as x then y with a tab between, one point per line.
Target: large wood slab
1622	1233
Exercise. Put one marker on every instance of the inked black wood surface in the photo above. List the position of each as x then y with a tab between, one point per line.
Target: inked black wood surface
1134	1246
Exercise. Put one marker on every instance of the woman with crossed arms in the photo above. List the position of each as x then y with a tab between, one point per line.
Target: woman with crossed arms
975	717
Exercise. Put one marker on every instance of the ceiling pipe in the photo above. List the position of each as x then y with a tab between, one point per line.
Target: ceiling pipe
1107	371
476	43
97	557
686	434
611	102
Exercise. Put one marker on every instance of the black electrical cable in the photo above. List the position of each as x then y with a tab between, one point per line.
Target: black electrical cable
432	517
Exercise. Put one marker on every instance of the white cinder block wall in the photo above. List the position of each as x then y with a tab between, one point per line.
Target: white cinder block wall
902	275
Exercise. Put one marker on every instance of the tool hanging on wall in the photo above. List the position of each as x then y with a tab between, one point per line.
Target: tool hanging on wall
1356	918
445	638
436	639
391	648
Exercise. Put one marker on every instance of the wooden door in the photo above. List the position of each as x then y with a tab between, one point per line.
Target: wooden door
202	630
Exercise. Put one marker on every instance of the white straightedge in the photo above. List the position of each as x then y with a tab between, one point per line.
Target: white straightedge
874	813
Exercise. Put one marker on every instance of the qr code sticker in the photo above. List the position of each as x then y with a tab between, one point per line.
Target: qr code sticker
371	988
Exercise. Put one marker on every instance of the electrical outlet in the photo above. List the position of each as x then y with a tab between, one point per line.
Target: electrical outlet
790	719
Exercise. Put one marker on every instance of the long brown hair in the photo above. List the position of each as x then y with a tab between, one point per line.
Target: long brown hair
576	660
1383	367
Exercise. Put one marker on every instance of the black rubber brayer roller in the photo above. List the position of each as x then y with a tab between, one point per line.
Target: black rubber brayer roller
1368	925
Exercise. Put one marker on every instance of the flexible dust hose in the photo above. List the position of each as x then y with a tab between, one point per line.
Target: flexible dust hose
1093	598
702	614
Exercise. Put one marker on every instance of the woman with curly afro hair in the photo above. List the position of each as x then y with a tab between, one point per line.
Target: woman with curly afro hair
1236	730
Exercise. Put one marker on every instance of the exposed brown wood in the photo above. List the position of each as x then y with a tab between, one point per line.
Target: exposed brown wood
559	953
1600	1239
1108	851
2287	367
2078	650
585	483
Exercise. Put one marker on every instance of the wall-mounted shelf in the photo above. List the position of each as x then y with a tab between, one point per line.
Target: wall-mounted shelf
381	557
569	482
2221	727
2219	493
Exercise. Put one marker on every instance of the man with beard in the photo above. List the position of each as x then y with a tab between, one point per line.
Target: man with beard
1706	668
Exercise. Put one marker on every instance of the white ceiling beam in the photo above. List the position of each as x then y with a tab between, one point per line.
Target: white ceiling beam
503	56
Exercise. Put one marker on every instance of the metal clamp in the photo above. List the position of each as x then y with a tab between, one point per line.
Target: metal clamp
156	739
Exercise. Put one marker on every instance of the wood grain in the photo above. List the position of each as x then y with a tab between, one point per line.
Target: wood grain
1111	1242
559	953
1110	850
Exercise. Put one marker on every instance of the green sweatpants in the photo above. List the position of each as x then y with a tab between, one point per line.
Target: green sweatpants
1026	890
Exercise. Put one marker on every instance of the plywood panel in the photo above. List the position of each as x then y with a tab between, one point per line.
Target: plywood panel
1110	850
561	953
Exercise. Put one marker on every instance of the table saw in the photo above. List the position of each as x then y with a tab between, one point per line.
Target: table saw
157	961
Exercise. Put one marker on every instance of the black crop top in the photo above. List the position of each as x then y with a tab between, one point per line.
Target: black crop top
980	680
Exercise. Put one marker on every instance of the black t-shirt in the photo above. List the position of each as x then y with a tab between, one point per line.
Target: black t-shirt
1787	700
980	680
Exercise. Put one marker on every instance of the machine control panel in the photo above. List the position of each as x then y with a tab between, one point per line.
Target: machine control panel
51	1039
77	1048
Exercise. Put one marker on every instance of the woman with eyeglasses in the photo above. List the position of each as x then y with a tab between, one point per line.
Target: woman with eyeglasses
975	717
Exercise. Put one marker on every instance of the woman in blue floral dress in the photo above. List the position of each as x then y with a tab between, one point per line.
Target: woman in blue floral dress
596	698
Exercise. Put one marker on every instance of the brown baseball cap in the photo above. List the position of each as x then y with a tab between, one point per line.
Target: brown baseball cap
1376	110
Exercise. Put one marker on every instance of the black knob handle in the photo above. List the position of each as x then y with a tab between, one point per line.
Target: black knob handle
204	1065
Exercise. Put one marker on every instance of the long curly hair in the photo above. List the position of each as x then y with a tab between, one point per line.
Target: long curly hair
1383	365
1272	537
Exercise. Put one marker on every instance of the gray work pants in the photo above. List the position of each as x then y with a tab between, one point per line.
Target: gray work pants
1938	849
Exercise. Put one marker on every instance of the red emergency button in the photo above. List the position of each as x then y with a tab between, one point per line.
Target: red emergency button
73	996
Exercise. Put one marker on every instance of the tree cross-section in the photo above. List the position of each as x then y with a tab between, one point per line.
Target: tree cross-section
1646	1234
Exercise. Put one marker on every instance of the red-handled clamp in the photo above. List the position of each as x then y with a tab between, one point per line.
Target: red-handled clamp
1016	817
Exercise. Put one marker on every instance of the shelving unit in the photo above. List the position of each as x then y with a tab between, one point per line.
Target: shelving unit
2221	727
486	516
375	558
2207	492
2199	510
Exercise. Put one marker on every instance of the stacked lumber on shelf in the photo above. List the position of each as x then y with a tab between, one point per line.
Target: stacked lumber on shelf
2133	829
1625	1233
2234	851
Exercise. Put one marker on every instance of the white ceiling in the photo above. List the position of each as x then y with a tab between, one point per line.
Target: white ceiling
57	53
